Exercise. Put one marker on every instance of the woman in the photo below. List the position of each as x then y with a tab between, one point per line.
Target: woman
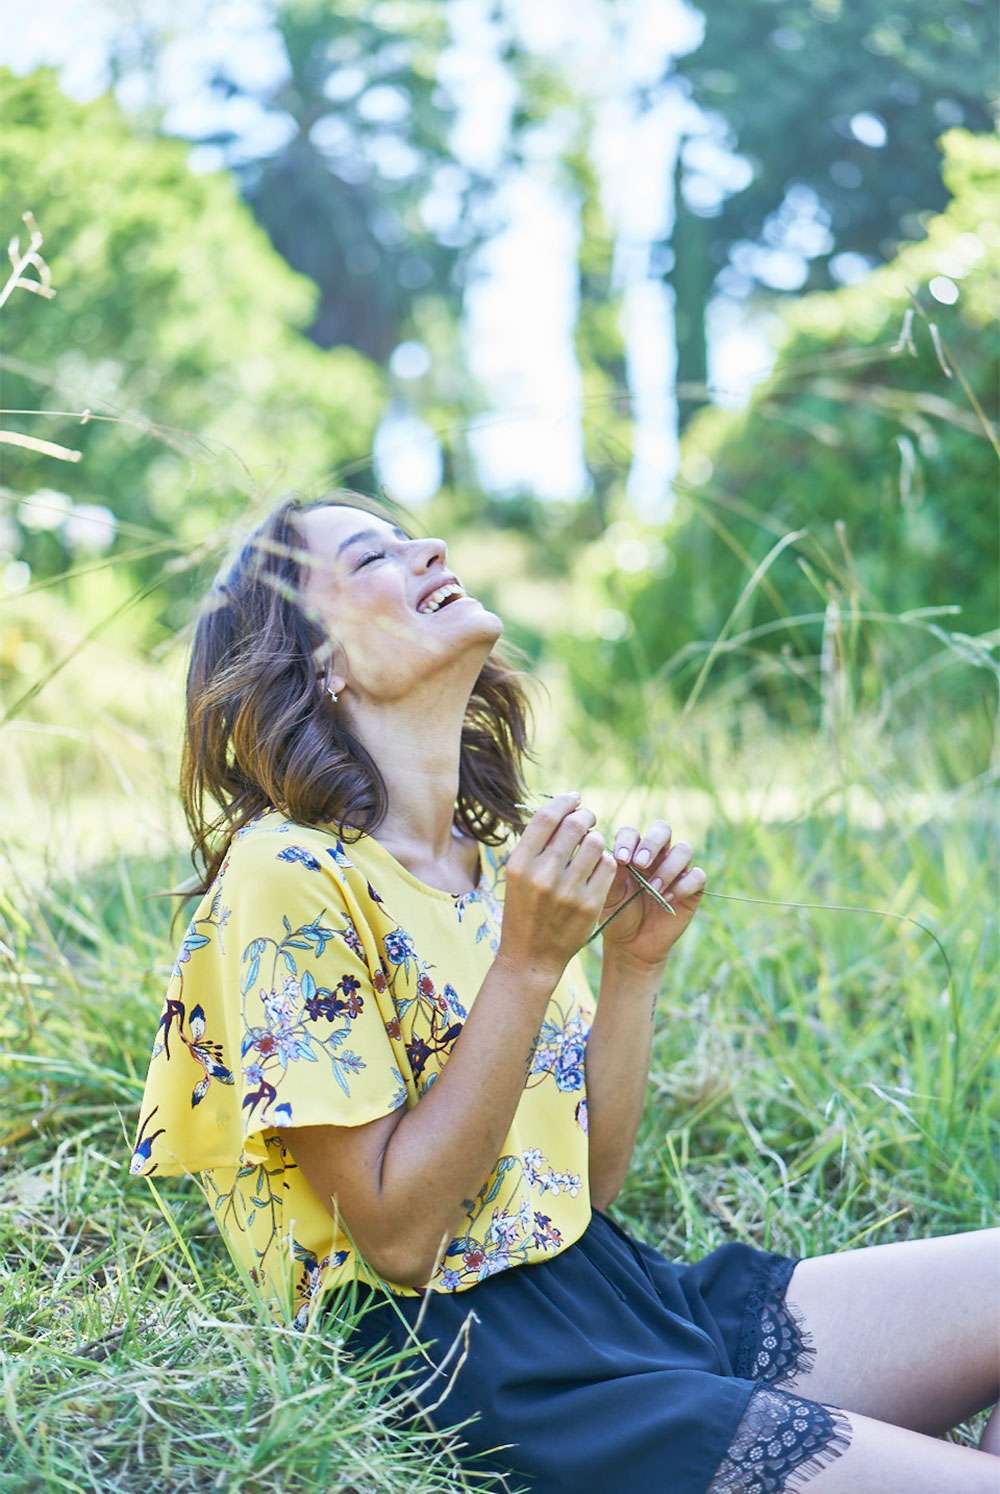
379	1050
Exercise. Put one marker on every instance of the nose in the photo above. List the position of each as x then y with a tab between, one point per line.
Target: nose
435	548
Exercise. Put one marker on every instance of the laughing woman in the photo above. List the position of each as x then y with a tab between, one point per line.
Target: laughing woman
379	1051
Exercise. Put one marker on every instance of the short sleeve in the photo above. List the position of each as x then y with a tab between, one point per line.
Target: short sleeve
272	1017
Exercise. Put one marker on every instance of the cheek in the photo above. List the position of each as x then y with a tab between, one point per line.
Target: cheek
383	596
379	626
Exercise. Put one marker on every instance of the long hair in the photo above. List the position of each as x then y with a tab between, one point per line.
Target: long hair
260	733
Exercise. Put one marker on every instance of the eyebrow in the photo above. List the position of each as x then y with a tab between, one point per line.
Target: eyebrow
364	534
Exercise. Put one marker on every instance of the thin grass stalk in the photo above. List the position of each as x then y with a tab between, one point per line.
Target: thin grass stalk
769	902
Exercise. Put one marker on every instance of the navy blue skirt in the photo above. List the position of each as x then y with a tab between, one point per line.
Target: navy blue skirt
609	1369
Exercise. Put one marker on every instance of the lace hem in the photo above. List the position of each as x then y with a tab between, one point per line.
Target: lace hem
780	1444
775	1343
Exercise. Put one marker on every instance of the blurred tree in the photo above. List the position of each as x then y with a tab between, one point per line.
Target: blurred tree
365	191
600	349
833	110
547	95
366	196
858	422
173	312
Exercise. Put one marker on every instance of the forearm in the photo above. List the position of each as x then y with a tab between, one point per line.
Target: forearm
444	1148
617	1070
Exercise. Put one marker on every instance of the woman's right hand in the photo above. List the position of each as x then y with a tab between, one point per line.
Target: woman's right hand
553	896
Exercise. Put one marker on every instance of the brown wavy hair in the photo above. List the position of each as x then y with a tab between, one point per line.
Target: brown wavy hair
260	732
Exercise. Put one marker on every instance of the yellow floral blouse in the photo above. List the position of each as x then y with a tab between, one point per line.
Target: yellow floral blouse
321	982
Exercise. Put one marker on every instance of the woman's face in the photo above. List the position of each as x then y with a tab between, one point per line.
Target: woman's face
365	578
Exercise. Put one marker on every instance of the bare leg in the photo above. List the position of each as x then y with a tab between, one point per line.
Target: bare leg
906	1333
885	1459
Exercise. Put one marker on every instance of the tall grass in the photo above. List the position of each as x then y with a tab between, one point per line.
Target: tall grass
816	1085
821	1078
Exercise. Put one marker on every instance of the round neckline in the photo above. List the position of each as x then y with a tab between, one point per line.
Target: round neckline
396	865
415	881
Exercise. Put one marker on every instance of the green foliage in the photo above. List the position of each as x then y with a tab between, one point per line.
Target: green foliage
344	200
857	426
171	308
600	351
804	94
787	79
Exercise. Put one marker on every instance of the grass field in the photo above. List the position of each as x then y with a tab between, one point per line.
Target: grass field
819	1080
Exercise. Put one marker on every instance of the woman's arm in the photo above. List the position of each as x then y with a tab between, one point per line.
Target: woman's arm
406	1181
403	1182
617	1069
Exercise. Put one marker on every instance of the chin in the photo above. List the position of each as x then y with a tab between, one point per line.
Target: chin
484	613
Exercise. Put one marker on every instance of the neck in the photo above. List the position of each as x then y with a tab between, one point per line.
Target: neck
418	751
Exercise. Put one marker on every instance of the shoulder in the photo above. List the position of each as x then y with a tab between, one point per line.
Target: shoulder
278	855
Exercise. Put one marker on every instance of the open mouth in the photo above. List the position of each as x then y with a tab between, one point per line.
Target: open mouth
454	596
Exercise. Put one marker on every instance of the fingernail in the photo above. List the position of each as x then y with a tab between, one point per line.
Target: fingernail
657	884
642	857
622	853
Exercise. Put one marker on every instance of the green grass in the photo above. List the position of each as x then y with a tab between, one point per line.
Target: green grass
817	1084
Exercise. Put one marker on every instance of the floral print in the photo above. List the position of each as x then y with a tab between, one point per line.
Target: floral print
559	1050
511	1234
319	983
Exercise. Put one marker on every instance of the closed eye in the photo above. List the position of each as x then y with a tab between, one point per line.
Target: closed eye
375	555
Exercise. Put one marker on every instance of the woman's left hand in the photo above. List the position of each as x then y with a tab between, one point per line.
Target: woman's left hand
644	933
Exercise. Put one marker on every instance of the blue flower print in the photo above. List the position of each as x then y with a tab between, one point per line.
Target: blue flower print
312	1276
339	856
451	997
399	947
205	1051
569	1065
561	1051
144	1145
192	940
293	1013
299	853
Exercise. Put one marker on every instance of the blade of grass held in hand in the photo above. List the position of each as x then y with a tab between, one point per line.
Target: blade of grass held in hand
644	886
770	903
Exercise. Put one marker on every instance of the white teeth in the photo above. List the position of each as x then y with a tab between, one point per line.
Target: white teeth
434	601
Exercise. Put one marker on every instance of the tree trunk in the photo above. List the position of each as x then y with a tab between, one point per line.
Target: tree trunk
692	276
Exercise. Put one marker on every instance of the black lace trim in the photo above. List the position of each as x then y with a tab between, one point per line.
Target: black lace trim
775	1343
780	1444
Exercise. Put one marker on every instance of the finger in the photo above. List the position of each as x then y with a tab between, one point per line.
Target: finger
546	820
653	842
673	863
603	875
691	884
588	853
626	840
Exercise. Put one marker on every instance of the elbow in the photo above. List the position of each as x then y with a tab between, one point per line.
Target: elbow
402	1272
401	1267
406	1260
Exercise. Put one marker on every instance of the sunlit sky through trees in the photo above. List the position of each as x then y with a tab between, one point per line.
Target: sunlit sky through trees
518	319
